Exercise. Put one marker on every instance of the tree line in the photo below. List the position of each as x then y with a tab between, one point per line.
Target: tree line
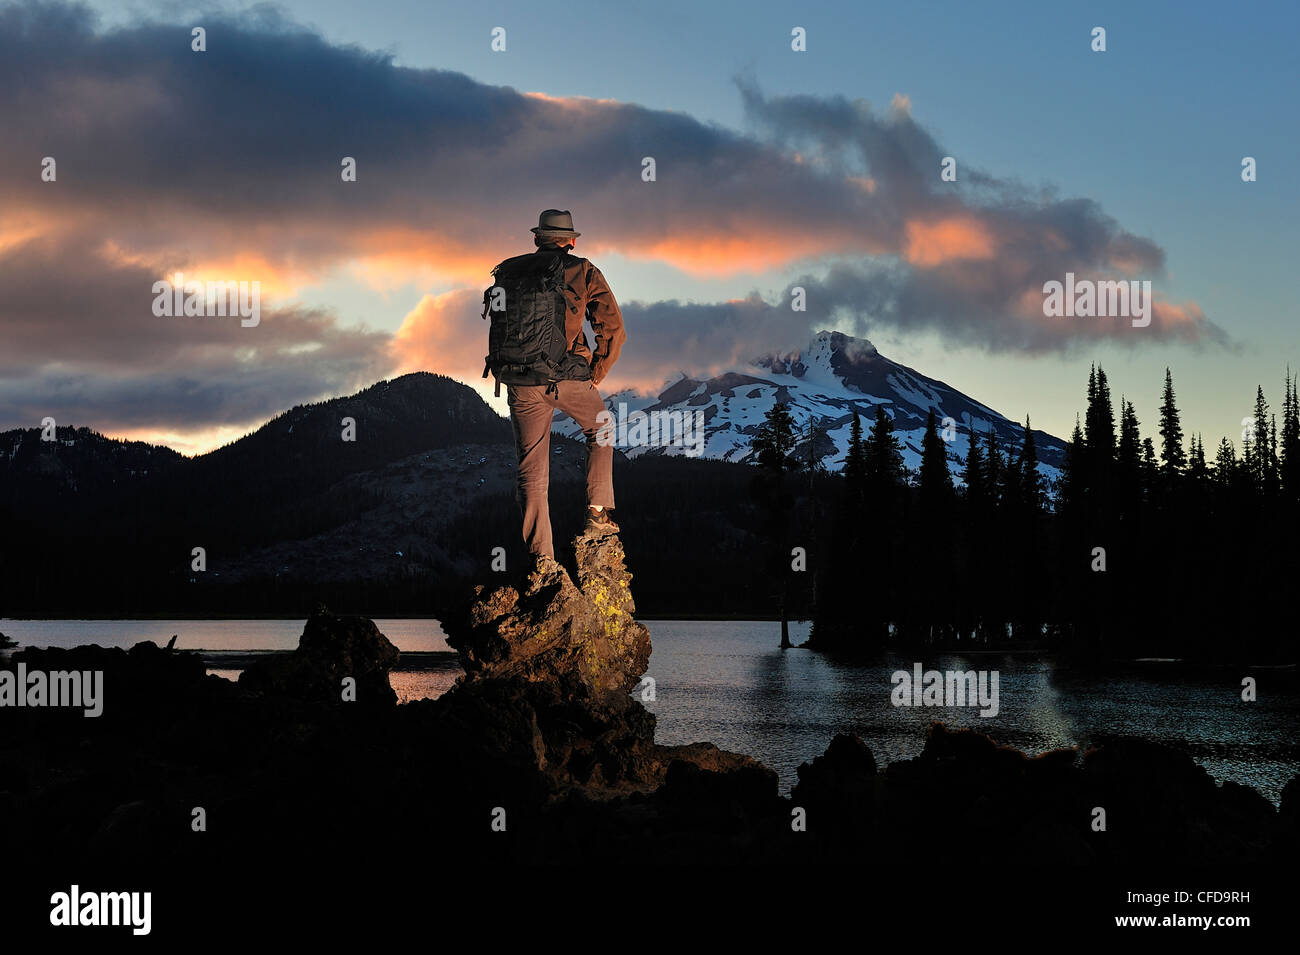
1140	549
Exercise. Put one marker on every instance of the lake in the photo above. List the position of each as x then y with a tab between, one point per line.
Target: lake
727	682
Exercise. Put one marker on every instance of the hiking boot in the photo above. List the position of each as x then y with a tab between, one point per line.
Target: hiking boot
599	524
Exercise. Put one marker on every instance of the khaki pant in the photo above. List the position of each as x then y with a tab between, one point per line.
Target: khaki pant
531	409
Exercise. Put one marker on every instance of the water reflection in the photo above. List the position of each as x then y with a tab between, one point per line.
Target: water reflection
728	682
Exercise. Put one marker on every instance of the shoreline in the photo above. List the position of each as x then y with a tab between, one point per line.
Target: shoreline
1070	656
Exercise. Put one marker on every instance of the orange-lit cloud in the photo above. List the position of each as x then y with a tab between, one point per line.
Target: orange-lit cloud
932	243
1172	315
710	256
443	334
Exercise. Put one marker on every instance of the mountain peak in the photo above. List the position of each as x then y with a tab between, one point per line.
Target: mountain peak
826	351
826	383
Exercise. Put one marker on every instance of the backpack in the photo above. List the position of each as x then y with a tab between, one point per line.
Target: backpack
526	340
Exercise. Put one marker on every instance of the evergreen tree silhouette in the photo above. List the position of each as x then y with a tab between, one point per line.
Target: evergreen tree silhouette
974	473
1128	463
1262	465
1031	481
855	463
883	456
773	446
1150	471
1171	431
1072	491
1289	446
936	479
1225	464
993	469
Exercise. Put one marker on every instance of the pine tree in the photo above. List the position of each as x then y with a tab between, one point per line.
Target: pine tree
1128	461
973	475
1171	431
1031	482
1197	468
836	609
884	482
1149	469
882	454
1071	492
1225	463
1129	453
855	461
936	479
773	445
1099	444
993	468
774	441
1104	440
1013	480
1273	467
1289	450
1090	409
1261	464
814	462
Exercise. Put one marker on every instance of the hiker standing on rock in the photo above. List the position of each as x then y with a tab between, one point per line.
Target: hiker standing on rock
537	348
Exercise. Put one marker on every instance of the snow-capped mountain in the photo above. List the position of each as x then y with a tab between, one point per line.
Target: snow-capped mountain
835	376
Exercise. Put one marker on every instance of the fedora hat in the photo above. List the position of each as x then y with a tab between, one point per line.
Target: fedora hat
555	222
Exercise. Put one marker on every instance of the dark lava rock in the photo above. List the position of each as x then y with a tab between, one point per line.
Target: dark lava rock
137	683
547	629
838	788
750	790
332	647
1159	803
548	670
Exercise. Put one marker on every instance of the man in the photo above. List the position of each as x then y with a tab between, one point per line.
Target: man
538	349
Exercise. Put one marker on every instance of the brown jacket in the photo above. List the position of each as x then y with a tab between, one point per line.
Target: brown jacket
589	298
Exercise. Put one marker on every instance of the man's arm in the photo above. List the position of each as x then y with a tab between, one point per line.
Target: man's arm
606	321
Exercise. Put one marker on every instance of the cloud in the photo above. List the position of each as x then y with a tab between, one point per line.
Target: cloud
930	244
967	259
82	344
439	335
227	164
992	305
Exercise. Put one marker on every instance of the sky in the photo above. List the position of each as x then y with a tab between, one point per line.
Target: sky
775	168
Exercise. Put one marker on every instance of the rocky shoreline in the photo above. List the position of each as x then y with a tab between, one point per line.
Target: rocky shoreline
542	754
